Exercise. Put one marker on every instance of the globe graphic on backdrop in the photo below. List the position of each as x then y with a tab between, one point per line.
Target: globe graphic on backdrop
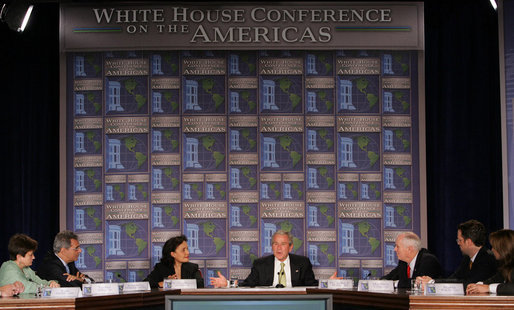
366	238
366	152
133	244
287	97
403	217
288	152
363	242
211	153
133	152
209	242
92	256
365	94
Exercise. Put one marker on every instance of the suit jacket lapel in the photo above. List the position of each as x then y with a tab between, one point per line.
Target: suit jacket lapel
481	253
73	268
269	271
184	271
295	269
61	264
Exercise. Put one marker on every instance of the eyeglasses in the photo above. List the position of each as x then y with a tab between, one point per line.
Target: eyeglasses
459	241
76	248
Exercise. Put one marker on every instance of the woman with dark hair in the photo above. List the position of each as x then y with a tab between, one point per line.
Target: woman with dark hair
21	251
502	283
175	264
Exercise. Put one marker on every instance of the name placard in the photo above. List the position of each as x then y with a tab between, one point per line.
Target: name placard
444	289
336	283
381	285
136	286
376	285
179	284
101	289
62	292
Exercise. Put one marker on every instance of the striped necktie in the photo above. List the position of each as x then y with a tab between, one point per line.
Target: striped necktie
282	276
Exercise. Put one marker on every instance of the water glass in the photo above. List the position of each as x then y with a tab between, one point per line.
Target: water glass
39	290
415	286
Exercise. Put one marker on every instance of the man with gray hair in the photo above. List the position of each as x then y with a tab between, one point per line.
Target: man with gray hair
60	265
413	261
281	269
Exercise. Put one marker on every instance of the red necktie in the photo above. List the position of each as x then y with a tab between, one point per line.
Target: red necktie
408	271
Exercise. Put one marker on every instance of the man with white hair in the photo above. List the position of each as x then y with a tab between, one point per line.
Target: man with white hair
413	261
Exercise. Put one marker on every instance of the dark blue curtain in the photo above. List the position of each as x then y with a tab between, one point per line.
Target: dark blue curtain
462	124
29	99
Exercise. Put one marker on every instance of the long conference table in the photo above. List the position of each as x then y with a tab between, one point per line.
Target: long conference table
342	299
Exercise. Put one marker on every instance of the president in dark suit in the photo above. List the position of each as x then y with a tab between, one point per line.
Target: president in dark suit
478	263
59	265
281	269
413	261
263	272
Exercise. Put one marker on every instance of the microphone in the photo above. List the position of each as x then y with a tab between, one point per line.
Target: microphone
88	278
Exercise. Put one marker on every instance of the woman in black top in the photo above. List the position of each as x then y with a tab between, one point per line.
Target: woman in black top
175	264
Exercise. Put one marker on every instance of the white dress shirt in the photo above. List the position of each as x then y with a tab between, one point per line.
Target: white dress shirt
287	270
412	264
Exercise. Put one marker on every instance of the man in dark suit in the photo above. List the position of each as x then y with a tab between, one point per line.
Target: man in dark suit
478	263
413	261
60	265
281	269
